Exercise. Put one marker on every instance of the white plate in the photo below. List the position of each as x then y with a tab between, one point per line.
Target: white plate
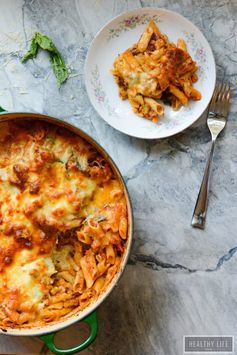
121	33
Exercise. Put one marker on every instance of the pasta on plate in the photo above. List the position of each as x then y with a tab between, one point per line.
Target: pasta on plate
63	223
154	71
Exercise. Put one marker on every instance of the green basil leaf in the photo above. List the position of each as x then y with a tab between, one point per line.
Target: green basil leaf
44	42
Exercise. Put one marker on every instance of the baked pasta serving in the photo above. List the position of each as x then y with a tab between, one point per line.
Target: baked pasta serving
63	223
154	71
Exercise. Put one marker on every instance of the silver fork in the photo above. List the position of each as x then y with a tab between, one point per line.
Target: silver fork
216	121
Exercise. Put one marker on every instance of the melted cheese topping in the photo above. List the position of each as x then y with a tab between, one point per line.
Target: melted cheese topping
61	214
31	278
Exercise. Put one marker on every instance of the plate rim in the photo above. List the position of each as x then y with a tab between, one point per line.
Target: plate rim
127	13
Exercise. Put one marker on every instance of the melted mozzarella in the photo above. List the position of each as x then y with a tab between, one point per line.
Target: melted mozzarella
31	278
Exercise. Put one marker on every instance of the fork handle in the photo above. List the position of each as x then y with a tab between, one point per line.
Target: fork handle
199	213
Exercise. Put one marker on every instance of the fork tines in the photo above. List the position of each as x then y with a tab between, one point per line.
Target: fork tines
220	100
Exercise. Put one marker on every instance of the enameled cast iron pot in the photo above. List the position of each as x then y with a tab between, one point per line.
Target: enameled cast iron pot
88	315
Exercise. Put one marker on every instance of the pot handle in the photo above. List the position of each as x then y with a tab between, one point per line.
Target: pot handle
91	320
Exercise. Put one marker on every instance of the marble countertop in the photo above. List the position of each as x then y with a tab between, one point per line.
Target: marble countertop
179	280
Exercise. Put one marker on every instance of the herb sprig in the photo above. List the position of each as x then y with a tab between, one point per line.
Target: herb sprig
44	42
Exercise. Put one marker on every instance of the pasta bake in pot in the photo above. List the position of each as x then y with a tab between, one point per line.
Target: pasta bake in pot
63	224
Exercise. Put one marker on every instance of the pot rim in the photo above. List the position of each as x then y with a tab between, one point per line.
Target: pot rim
61	324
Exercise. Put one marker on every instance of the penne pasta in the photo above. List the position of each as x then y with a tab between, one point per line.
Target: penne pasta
131	60
58	305
181	44
84	238
179	94
79	282
60	297
66	276
195	94
48	315
123	227
154	68
99	283
145	39
110	254
89	268
25	317
74	302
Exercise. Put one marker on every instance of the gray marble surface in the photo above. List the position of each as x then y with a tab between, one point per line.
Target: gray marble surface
179	280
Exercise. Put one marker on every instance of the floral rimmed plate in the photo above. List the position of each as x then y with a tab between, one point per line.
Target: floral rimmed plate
121	33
